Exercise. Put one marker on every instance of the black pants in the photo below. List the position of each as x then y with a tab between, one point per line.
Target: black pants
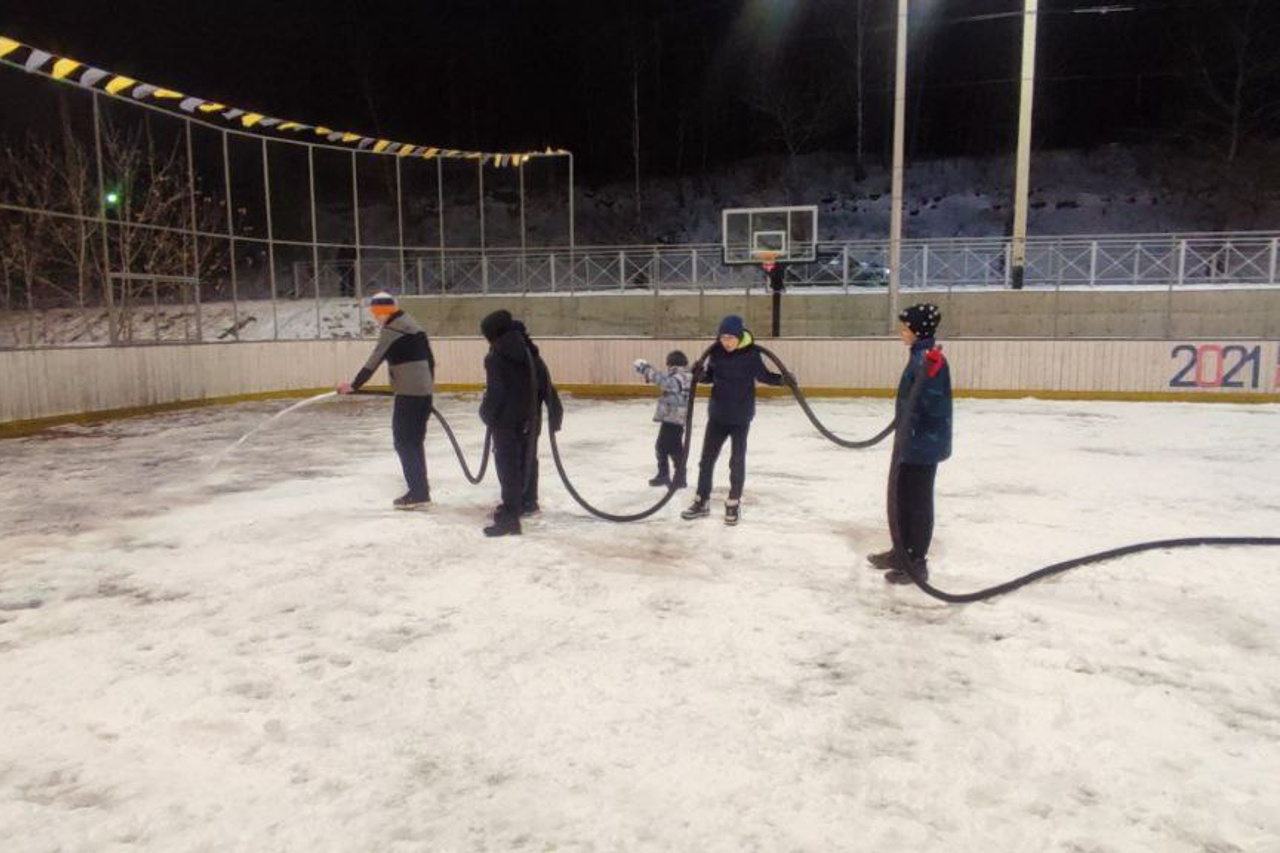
408	432
915	508
530	462
713	439
516	460
667	449
508	459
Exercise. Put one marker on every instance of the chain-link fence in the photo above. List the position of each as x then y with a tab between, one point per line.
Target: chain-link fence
160	216
123	220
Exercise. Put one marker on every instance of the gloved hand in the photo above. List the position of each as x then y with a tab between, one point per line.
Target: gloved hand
699	373
790	378
640	364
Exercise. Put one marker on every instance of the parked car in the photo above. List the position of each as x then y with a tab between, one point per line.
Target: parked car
828	269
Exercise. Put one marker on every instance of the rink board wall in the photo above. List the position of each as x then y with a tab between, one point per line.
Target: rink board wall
50	385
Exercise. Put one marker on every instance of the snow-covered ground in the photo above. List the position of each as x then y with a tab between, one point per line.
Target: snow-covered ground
214	647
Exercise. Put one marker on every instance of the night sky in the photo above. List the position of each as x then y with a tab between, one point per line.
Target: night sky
705	77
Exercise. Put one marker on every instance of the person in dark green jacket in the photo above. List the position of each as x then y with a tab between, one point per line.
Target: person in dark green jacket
927	441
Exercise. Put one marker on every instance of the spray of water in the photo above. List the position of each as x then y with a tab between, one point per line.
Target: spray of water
268	422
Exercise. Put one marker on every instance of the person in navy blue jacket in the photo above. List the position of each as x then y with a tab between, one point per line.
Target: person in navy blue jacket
732	369
927	443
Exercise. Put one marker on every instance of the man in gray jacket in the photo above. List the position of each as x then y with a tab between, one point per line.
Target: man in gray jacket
403	344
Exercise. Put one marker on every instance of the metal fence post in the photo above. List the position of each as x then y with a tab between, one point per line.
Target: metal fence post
195	228
1271	263
113	333
271	246
480	200
551	262
1168	304
622	270
1093	263
694	269
1008	264
231	239
1137	261
484	272
355	207
315	247
400	225
924	265
844	267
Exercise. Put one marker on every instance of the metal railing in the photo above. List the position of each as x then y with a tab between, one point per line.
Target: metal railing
310	300
1146	260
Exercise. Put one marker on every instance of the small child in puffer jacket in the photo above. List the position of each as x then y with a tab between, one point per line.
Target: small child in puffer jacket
673	405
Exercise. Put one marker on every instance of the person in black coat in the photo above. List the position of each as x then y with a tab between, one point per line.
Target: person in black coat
732	369
517	385
927	442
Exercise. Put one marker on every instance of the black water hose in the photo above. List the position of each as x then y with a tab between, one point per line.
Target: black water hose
448	431
903	433
671	488
457	449
852	444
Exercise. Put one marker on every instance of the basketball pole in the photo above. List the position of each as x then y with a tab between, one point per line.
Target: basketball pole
899	138
1022	175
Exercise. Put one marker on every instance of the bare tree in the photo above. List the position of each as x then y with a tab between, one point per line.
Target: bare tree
852	36
59	239
55	231
1233	67
799	115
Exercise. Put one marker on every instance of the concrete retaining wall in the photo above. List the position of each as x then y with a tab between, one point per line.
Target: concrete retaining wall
1218	313
46	385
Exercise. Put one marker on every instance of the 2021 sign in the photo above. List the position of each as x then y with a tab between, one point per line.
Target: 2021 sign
1221	366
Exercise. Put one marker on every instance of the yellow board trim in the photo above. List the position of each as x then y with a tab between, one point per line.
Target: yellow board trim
8	46
15	429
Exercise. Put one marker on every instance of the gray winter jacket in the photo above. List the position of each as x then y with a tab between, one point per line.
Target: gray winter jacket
674	402
403	343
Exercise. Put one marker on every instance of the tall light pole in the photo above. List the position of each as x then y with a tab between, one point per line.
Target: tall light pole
1022	181
899	144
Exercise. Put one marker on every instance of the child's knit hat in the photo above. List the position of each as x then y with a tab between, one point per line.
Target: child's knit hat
923	319
732	325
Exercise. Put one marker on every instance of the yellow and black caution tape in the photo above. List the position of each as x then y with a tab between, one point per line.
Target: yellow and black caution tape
35	61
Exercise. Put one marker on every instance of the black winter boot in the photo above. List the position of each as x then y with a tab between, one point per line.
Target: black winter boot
697	509
884	561
901	576
732	512
504	524
411	501
660	480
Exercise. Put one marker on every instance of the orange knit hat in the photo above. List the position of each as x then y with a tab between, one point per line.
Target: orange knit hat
382	305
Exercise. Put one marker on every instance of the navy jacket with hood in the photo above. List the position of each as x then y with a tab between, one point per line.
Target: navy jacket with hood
929	441
733	376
